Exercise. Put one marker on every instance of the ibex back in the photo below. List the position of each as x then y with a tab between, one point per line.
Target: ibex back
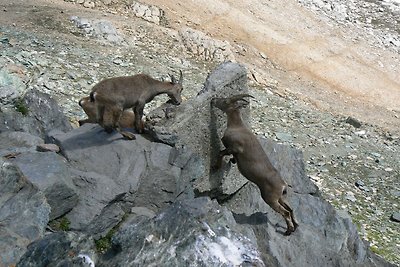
251	159
112	96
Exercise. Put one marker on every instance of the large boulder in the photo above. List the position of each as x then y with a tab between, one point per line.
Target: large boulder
51	174
42	115
13	143
24	213
196	232
197	125
323	238
109	169
60	249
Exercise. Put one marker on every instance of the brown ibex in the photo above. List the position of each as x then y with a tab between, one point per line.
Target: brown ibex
251	159
113	96
125	121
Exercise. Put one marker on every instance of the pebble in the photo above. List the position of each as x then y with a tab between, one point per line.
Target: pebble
354	122
350	196
285	137
395	217
48	148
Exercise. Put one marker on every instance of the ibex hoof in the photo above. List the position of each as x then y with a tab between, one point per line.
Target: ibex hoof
108	129
288	232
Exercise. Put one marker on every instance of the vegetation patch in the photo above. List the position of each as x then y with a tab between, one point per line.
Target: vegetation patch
60	224
21	107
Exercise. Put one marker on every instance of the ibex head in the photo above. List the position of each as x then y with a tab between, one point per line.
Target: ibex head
175	93
231	103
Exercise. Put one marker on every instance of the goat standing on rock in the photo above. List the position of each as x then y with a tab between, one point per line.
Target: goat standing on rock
251	159
112	96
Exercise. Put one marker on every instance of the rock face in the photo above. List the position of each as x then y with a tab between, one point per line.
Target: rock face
43	113
154	198
55	179
206	47
198	126
24	213
198	232
109	169
60	249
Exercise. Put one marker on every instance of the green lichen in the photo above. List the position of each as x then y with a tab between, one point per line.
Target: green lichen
21	107
104	243
60	224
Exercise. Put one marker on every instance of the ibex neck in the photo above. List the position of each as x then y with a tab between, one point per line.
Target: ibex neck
160	88
163	87
234	118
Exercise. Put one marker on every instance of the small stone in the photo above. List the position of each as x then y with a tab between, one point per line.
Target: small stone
354	122
284	137
360	133
395	217
89	4
396	193
388	169
117	61
359	183
350	196
48	148
263	55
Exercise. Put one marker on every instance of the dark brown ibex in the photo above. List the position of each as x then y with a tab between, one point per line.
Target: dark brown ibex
251	159
113	96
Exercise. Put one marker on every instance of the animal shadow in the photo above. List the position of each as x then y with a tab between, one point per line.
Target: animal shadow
258	219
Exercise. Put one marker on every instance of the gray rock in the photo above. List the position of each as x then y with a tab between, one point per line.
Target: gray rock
323	238
50	173
289	163
285	137
47	148
18	142
350	196
190	233
61	249
105	29
109	217
24	213
44	114
354	122
108	168
11	88
395	217
200	127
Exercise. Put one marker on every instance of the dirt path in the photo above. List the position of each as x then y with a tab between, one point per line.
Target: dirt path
348	75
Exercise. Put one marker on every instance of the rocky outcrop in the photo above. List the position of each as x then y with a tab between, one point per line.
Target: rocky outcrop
108	169
24	213
42	113
155	199
198	126
61	249
55	180
197	232
206	47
